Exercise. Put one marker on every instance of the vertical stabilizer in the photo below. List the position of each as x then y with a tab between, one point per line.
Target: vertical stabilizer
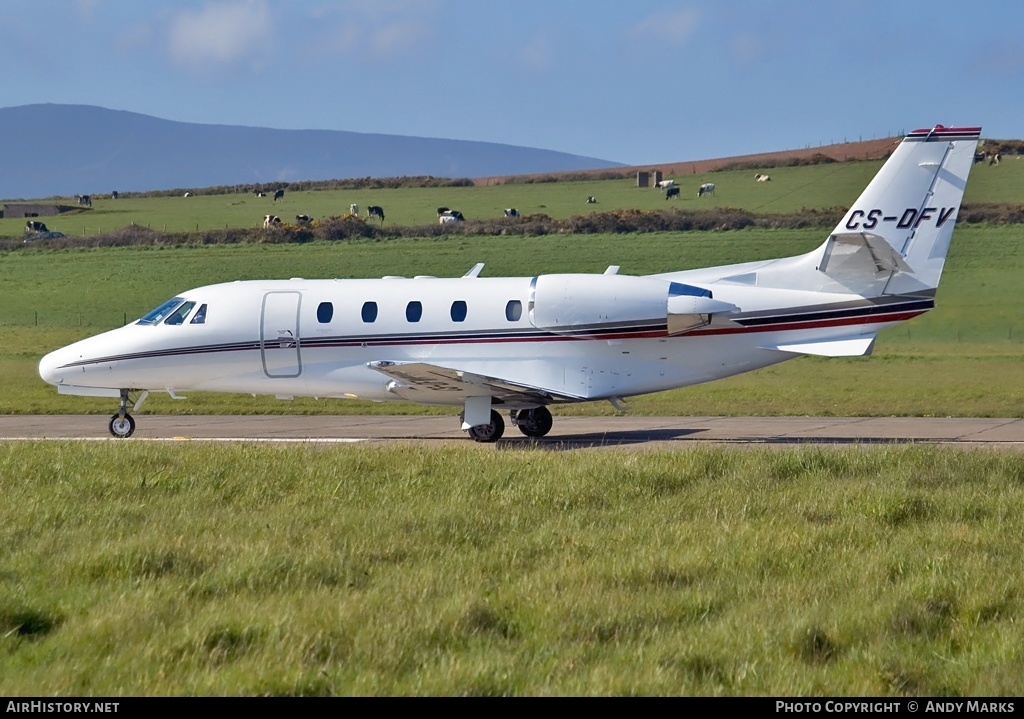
911	204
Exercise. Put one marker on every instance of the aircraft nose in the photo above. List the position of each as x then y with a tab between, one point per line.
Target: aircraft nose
49	367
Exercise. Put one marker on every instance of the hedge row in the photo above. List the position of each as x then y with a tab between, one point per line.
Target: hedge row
617	221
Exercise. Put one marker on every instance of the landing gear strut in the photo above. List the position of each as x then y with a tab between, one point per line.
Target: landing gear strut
532	422
490	432
122	424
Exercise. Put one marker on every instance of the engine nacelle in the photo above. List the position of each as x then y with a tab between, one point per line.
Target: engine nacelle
600	304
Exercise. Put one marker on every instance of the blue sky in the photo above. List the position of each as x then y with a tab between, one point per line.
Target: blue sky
636	82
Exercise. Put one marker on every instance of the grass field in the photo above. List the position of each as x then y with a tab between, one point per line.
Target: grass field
135	569
791	189
962	359
143	569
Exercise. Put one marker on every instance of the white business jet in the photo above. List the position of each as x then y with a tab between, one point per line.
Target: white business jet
522	344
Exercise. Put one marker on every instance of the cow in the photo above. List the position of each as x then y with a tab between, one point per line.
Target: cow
260	194
591	200
271	220
353	209
979	156
708	188
375	211
672	191
994	160
84	200
762	178
511	212
187	194
278	195
35	226
449	216
114	195
665	184
303	219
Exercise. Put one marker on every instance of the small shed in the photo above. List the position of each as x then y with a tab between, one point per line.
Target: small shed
643	179
34	209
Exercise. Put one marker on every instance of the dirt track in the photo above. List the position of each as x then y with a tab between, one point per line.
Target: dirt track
866	150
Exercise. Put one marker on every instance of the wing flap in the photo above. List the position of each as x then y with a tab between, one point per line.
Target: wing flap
433	384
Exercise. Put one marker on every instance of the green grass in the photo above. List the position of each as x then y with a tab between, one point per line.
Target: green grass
198	569
791	189
962	359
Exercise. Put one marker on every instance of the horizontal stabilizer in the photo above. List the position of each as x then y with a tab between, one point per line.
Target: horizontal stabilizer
848	347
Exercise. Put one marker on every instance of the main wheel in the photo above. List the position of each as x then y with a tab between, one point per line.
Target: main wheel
534	422
122	426
488	432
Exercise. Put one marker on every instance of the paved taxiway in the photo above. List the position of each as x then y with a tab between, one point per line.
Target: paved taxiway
568	432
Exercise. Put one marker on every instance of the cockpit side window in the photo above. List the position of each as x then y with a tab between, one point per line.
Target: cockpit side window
200	316
178	316
161	312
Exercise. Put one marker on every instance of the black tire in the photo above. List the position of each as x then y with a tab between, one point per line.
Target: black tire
488	432
122	428
534	422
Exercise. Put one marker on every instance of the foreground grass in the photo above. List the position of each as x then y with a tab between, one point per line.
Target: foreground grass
245	569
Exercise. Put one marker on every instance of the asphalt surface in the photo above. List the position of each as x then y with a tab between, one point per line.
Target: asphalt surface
568	432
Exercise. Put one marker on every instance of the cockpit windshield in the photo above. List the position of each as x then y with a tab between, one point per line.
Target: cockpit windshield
178	316
160	313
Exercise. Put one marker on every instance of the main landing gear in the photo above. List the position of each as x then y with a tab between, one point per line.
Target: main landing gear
531	422
534	422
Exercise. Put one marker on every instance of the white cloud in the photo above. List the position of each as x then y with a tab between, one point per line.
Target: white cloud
381	30
224	32
672	26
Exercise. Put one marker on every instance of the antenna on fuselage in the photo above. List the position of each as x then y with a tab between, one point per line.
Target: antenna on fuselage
475	272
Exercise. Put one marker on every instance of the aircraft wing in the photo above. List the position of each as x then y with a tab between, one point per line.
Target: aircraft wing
433	384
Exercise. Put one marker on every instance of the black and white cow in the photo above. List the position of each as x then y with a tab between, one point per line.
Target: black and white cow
450	216
591	200
259	193
35	226
708	188
375	211
672	191
84	200
271	220
278	195
511	212
303	219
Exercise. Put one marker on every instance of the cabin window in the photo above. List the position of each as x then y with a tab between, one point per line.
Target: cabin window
324	312
200	317
513	310
157	315
178	316
459	311
369	311
413	311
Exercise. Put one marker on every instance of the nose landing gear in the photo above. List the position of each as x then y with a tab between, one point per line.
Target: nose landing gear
122	424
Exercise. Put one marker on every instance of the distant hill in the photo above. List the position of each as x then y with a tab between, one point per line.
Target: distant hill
62	150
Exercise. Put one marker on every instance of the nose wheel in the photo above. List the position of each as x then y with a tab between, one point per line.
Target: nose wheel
122	426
